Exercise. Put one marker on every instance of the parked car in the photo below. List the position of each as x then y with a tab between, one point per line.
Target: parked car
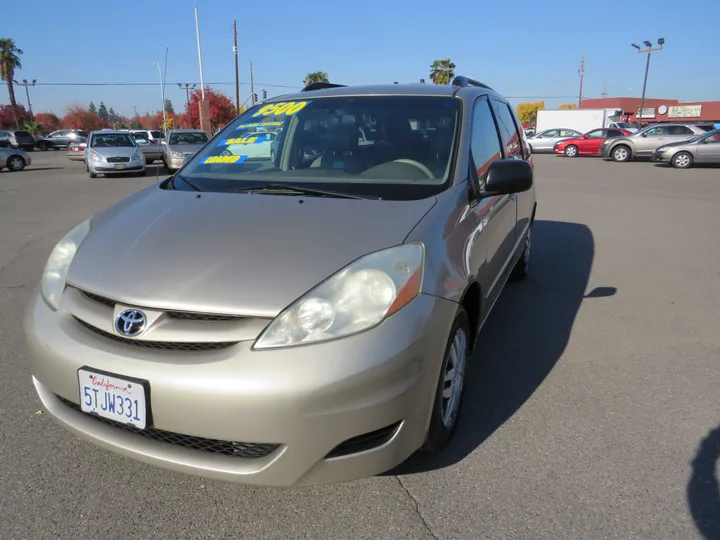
181	144
151	149
151	134
17	138
304	323
644	142
76	150
112	152
702	148
589	143
14	159
545	140
60	139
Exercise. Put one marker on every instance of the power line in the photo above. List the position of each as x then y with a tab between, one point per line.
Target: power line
155	84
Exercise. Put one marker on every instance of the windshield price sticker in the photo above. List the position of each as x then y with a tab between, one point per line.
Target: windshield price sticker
283	108
255	139
237	160
270	123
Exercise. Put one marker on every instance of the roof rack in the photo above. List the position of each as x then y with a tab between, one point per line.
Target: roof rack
467	81
321	86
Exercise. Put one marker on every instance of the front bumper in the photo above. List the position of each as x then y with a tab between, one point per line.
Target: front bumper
174	163
76	156
661	156
307	399
103	167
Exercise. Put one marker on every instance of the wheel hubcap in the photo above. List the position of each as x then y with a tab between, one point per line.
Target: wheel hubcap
15	164
570	151
682	161
454	378
621	154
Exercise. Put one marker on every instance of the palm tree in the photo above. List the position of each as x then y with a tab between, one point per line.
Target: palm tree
9	62
442	71
316	76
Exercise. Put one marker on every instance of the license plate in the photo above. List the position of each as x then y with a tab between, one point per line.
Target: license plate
113	397
119	165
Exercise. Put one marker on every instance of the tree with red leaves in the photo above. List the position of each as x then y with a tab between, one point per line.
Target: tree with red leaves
7	120
48	121
221	107
79	118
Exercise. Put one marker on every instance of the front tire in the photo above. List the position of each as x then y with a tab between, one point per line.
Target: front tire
571	151
621	153
42	146
682	160
451	382
15	164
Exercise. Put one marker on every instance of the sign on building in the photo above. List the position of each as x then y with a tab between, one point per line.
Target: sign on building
685	111
647	112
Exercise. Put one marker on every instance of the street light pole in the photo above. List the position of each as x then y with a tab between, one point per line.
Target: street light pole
27	84
649	50
162	95
187	88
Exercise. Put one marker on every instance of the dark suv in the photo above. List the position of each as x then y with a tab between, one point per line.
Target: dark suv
62	138
15	138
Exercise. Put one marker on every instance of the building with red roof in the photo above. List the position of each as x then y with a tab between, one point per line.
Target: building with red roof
658	110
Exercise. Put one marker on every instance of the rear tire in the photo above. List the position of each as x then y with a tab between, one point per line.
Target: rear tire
449	392
15	163
571	151
621	153
42	146
682	160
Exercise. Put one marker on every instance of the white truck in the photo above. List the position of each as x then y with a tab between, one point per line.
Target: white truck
582	120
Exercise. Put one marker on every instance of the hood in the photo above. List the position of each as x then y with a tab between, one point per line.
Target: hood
231	253
674	144
115	151
185	148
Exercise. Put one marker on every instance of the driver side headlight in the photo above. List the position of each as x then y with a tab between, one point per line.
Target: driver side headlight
176	154
54	275
95	156
357	298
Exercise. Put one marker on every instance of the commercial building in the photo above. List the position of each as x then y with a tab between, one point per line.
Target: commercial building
658	110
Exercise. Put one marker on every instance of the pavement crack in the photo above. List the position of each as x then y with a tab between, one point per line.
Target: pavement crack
17	255
417	508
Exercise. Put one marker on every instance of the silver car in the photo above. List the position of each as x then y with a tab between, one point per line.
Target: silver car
14	159
704	148
113	152
180	145
151	149
296	322
76	150
545	140
644	142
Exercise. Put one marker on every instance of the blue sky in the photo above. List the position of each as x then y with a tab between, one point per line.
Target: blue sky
527	49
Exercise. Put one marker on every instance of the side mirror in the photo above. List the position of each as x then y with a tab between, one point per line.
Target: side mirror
643	134
506	176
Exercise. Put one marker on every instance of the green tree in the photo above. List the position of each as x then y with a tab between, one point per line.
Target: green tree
135	124
9	62
442	71
169	107
92	109
113	116
103	112
527	112
316	76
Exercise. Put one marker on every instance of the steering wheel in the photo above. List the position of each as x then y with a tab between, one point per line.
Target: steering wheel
418	165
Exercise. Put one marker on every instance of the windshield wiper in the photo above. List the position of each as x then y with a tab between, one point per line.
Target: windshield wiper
188	182
270	189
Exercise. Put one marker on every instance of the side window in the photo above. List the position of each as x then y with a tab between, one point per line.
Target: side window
596	134
508	131
656	132
551	133
680	130
612	133
484	142
568	133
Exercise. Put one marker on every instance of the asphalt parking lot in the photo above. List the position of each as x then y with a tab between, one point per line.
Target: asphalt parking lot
592	409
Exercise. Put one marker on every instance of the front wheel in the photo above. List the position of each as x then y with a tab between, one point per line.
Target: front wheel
571	151
682	160
15	163
42	146
449	392
621	153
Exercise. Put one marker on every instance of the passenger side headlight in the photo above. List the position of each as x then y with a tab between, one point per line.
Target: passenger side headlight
177	154
358	297
95	156
138	155
56	268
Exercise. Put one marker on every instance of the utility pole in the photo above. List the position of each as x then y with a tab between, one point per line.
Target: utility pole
252	85
187	88
649	50
237	68
581	72
26	84
604	92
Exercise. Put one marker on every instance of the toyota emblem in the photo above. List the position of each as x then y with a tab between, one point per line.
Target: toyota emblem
130	323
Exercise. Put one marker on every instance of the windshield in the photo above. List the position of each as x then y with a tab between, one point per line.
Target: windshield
188	138
397	147
709	135
114	140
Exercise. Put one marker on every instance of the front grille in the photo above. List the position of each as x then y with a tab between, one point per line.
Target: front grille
178	315
118	159
210	446
162	345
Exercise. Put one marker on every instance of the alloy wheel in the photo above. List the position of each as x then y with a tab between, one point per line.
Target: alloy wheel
454	378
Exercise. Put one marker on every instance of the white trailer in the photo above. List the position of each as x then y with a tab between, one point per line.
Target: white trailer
582	120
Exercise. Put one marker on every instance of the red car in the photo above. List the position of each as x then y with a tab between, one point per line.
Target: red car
588	144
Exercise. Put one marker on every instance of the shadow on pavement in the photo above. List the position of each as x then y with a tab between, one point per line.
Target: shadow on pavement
522	340
703	490
33	169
